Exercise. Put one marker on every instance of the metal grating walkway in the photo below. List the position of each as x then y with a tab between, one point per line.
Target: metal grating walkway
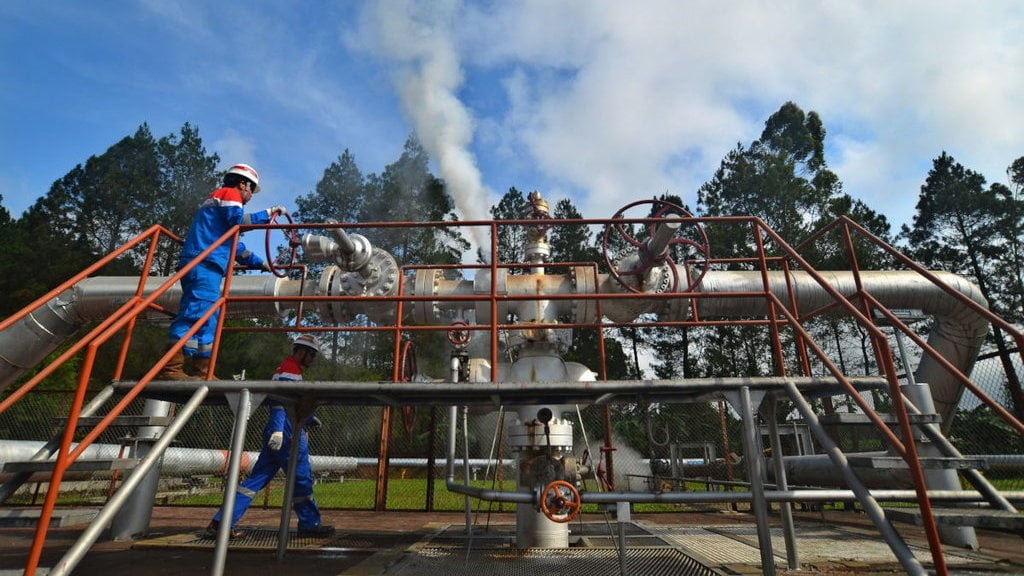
266	539
548	561
594	550
722	545
651	549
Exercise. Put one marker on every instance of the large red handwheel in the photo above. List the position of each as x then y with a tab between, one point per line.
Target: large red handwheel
458	336
293	245
560	498
406	374
699	249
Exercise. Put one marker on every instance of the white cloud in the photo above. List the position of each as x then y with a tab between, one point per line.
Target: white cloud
234	147
622	100
416	40
601	100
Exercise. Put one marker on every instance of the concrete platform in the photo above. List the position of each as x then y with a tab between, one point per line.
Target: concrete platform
414	543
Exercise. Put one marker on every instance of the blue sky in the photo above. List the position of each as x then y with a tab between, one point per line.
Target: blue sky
604	102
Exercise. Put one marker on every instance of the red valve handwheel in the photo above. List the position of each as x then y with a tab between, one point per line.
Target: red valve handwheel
564	498
293	245
458	337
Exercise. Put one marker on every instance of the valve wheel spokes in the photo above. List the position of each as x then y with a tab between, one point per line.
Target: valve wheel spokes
457	336
407	370
660	209
292	236
560	501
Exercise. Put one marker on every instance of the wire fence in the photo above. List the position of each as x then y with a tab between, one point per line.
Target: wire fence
655	448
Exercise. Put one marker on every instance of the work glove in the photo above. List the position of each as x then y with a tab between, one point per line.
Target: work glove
265	267
313	423
278	210
275	441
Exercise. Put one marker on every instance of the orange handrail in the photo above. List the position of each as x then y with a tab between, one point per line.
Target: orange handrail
155	231
65	455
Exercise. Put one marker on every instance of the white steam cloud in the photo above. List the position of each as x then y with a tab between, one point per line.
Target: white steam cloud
417	37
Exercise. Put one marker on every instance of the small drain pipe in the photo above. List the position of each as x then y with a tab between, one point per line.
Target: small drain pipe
481	493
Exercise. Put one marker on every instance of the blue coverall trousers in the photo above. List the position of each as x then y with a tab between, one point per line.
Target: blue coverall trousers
200	288
267	465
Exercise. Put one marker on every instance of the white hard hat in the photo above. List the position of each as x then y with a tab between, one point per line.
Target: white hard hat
247	172
307	340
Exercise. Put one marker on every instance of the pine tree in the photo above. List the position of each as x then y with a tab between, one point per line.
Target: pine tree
963	227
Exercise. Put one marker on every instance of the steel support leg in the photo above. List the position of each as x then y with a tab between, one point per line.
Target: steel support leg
242	411
75	554
785	508
299	416
874	511
743	404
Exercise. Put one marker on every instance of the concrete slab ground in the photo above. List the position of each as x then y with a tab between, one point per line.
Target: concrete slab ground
408	543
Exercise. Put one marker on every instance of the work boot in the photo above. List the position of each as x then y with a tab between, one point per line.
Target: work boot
200	366
174	370
320	531
210	532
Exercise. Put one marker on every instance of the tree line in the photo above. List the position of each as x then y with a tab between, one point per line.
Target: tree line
961	223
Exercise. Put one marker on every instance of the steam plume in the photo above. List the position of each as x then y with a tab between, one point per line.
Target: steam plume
418	37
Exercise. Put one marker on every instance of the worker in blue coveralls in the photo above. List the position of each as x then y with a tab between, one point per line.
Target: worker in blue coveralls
277	439
201	286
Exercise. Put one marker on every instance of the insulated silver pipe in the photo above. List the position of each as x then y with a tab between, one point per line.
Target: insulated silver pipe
957	334
47	450
184	461
27	342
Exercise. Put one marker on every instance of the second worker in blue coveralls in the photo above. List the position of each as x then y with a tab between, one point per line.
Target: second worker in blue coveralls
277	439
201	286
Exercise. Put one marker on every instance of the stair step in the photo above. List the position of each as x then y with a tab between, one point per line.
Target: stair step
134	420
895	462
977	517
29	518
891	419
87	465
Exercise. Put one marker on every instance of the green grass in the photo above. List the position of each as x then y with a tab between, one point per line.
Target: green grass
403	494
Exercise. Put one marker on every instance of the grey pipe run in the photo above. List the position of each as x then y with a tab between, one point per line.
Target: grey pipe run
957	335
476	492
176	461
27	342
800	495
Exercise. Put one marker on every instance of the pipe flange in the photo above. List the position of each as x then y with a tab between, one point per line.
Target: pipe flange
584	281
531	436
482	286
377	276
645	279
426	283
385	273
